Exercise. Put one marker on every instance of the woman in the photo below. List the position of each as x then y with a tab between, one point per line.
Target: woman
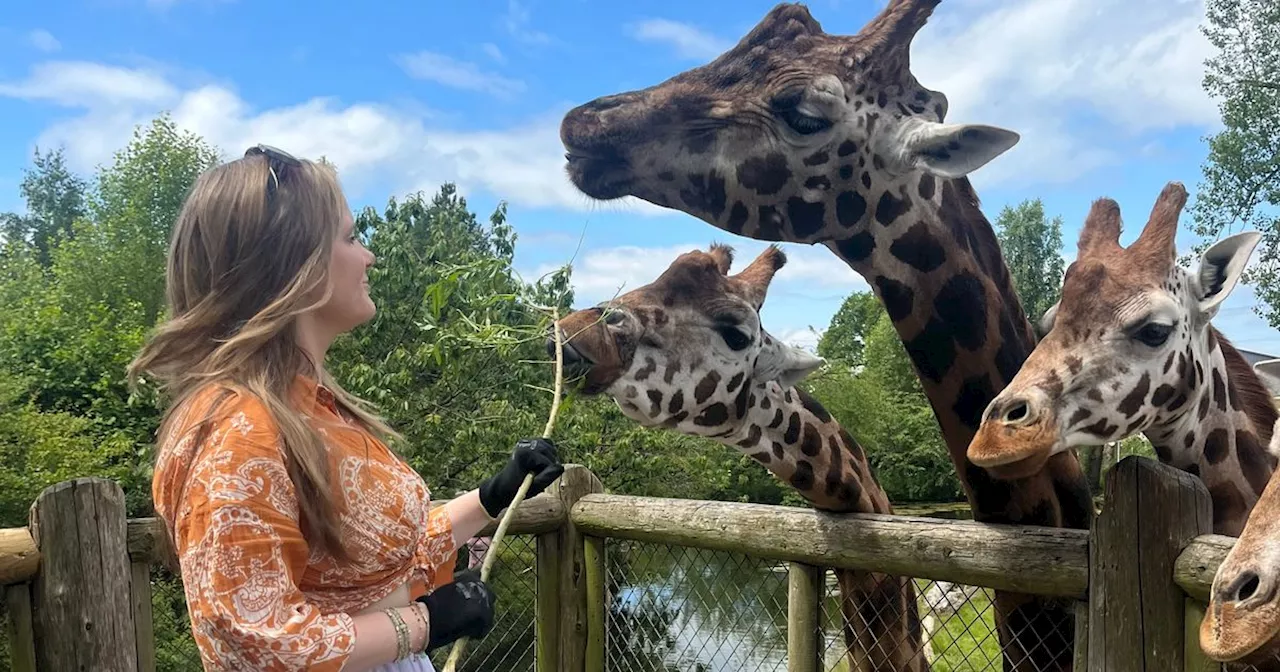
303	541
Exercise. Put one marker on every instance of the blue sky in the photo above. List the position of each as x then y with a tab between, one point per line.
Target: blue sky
405	95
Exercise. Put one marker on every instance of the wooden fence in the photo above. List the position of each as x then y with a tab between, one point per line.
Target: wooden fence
78	593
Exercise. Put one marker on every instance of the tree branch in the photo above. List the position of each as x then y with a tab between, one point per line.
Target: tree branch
1260	83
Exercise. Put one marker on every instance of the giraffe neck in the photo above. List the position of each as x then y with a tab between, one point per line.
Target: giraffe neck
1211	429
933	259
795	438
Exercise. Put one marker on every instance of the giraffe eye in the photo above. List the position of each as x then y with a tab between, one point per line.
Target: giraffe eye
802	123
733	337
1154	334
614	318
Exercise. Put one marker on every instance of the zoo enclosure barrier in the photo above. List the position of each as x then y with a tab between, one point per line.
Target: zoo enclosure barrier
78	589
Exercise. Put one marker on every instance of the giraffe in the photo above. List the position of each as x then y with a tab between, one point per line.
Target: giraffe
1129	348
1242	622
687	352
797	135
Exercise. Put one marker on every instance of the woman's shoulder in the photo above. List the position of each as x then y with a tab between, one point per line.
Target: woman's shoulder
221	408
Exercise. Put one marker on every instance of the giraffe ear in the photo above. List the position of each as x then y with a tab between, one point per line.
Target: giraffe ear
1045	324
784	363
1220	270
948	150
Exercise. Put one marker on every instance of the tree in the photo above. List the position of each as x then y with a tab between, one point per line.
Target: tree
845	338
55	199
1032	248
1241	185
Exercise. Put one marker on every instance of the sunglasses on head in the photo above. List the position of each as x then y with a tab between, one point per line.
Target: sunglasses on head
276	157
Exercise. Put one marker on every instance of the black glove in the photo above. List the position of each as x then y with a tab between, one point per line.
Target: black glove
463	608
536	456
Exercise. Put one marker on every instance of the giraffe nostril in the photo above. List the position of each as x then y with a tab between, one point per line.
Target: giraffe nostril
1016	412
1247	586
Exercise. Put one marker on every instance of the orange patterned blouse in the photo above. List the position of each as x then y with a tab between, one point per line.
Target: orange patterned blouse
259	598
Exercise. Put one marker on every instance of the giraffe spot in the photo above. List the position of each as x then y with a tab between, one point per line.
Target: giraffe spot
1251	456
698	143
777	450
1199	375
1203	411
1219	390
793	430
916	108
890	208
1094	395
802	479
857	248
667	176
817	158
1216	446
937	110
712	416
1133	401
740	402
975	393
902	109
1168	362
1177	402
932	350
833	481
806	218
1079	416
766	403
846	148
676	403
777	419
991	497
836	458
765	175
817	182
810	404
918	249
1012	352
1228	504
897	297
1194	469
706	387
1135	426
1074	364
761	457
1189	440
882	99
927	186
735	381
676	419
866	180
770	223
786	394
846	172
655	402
1233	397
631	392
753	437
705	195
1102	428
850	207
738	216
812	442
649	367
673	367
962	305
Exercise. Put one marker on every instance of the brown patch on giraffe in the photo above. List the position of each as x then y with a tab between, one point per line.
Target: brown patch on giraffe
1228	504
1133	401
1252	458
1216	446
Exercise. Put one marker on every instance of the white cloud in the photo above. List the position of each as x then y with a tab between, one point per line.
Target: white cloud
492	51
517	23
453	73
44	41
804	337
394	148
688	41
1075	77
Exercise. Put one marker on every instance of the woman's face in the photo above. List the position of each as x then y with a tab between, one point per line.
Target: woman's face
349	304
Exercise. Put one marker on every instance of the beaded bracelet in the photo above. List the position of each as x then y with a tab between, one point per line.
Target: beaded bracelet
402	632
420	610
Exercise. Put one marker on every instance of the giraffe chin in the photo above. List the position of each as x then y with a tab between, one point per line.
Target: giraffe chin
601	178
1014	453
1229	634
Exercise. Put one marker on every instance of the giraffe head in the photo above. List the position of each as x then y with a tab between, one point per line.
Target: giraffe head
1242	622
1125	348
789	135
684	350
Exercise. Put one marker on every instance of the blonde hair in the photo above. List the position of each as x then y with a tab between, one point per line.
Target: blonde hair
249	253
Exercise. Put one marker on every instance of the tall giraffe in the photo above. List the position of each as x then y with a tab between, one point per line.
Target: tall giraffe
1129	348
1242	623
688	352
797	135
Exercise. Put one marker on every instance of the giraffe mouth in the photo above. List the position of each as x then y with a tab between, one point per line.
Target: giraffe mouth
603	175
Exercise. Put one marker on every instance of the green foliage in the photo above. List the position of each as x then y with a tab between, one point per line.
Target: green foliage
1240	190
1032	248
844	339
55	200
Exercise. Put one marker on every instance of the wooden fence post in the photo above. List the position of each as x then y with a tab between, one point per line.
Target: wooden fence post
546	651
576	481
80	597
597	601
1137	612
805	591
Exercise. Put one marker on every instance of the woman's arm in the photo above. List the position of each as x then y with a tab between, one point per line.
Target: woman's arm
375	641
467	516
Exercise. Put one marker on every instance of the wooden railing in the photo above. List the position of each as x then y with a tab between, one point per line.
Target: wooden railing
77	586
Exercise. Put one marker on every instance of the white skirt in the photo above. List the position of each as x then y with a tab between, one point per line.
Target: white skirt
419	663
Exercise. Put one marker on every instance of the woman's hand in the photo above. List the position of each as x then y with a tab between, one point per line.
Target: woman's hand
463	608
536	456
